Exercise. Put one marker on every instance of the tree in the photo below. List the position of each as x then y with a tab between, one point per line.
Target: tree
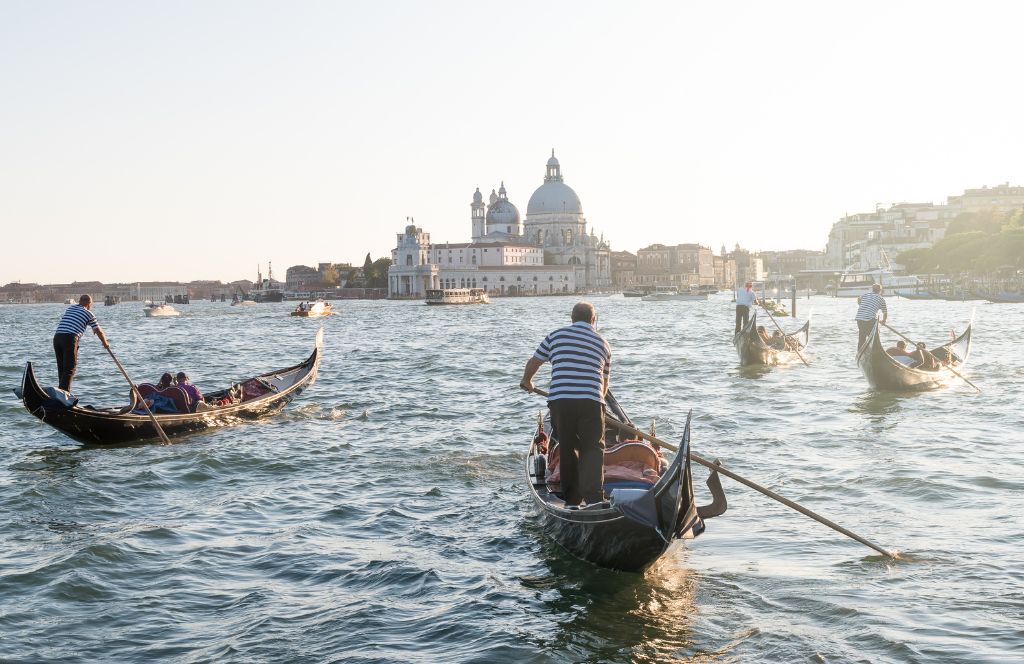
378	274
367	265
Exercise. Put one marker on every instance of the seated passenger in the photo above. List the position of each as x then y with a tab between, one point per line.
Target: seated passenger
195	397
925	360
778	342
763	334
900	354
165	381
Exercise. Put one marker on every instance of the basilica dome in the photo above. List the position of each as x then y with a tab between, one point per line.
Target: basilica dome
554	196
502	213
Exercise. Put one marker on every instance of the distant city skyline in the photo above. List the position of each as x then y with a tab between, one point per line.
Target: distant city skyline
195	141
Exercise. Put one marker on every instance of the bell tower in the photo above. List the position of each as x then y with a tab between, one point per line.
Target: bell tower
477	214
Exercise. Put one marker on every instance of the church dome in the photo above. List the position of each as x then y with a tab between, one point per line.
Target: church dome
502	213
554	196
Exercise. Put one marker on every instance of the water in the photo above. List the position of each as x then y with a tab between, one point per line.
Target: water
382	517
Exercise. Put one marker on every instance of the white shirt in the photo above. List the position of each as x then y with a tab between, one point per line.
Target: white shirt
744	296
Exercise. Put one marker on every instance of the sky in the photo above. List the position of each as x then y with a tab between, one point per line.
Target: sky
198	140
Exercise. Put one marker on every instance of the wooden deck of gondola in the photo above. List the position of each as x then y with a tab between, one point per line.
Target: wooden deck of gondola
606	535
753	351
111	426
885	373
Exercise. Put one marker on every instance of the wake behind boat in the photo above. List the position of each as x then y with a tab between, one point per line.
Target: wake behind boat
672	294
754	350
652	503
885	372
247	399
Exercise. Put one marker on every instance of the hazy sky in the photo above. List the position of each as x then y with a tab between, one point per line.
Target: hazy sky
190	140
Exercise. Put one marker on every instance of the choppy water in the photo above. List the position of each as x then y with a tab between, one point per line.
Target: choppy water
405	534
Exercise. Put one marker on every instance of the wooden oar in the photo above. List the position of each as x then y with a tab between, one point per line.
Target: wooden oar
783	333
152	417
717	466
914	344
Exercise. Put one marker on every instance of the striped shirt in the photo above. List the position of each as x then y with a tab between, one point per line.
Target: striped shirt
870	305
74	320
581	361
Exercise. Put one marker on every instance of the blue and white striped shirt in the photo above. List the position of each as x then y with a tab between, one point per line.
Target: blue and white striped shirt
74	320
870	305
580	359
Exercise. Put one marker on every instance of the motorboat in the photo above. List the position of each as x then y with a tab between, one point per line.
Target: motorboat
160	309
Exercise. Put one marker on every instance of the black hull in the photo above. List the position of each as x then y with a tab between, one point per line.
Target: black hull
110	427
608	536
885	373
753	351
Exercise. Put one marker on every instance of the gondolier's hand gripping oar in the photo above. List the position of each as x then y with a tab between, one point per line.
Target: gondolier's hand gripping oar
742	480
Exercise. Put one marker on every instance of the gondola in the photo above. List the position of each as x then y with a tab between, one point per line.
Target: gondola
246	400
633	529
754	351
885	373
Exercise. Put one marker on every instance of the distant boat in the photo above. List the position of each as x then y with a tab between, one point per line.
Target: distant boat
70	301
854	283
236	303
313	309
754	351
457	296
161	309
671	294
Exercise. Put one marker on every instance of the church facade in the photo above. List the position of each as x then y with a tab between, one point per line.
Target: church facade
549	252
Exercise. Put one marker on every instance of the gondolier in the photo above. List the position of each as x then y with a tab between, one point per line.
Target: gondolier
580	370
745	298
867	312
65	340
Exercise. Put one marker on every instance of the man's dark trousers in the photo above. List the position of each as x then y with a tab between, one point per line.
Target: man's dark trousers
863	330
579	426
742	316
65	346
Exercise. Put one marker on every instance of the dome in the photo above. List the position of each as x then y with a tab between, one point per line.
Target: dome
552	161
502	213
477	196
554	196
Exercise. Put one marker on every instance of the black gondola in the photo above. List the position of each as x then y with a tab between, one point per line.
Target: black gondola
754	351
257	397
638	524
886	373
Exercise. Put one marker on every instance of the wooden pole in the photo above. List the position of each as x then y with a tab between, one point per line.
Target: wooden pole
717	466
914	344
152	417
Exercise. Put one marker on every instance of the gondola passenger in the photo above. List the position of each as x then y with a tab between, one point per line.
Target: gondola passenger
195	397
925	360
900	353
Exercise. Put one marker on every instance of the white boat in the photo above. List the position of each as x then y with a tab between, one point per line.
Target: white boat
669	294
70	300
854	283
236	303
457	296
161	309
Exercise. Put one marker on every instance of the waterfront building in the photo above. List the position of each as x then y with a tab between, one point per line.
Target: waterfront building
548	252
1001	197
681	266
868	240
623	269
